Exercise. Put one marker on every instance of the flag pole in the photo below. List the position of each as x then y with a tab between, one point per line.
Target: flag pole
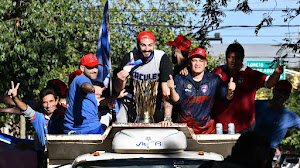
108	33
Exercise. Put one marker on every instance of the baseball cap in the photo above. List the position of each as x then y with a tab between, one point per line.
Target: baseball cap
60	84
198	52
89	60
146	35
284	85
181	42
73	75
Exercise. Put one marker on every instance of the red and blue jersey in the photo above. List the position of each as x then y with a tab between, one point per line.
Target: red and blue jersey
196	104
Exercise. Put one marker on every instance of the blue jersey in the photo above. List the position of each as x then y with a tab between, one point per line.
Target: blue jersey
274	123
43	125
81	113
196	104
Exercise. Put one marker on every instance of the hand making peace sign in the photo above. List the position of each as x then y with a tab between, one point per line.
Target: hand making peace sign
14	90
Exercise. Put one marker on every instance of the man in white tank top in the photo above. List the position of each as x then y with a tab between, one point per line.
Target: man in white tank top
144	63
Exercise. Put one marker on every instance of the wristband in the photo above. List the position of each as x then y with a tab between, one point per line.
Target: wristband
168	118
232	93
12	96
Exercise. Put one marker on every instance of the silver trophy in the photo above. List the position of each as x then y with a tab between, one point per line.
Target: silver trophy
145	93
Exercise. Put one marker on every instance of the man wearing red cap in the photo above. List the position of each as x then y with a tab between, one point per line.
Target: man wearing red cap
144	63
81	113
241	111
180	53
272	119
196	92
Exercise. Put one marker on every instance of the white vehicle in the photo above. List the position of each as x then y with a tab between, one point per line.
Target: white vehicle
138	145
291	162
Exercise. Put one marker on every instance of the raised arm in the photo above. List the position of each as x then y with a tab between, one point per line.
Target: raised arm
7	100
121	80
174	96
273	79
112	98
87	88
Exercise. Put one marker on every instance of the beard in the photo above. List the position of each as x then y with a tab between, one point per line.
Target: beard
146	52
174	59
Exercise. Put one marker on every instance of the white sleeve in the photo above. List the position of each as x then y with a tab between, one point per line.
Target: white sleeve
29	113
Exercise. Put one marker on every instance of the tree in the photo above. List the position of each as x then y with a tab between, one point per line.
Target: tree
37	36
292	139
213	13
128	18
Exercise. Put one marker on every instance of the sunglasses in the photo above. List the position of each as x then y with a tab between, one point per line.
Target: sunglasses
89	68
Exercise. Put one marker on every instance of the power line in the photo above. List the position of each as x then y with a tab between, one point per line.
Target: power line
192	10
221	27
185	26
230	35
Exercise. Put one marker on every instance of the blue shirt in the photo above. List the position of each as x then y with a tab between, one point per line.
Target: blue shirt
43	125
274	123
81	113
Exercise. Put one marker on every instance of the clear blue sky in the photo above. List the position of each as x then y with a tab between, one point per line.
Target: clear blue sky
269	35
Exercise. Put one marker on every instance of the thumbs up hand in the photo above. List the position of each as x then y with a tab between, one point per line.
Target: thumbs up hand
170	83
231	87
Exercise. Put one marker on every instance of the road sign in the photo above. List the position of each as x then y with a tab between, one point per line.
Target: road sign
264	67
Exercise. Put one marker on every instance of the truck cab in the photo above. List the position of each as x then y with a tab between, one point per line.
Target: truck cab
139	145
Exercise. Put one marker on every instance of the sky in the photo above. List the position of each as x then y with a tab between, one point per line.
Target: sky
269	35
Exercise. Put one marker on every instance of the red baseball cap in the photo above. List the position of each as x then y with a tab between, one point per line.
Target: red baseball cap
198	52
284	85
73	75
146	35
89	60
63	87
181	42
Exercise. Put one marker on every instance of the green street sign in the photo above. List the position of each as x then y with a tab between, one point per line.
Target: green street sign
264	67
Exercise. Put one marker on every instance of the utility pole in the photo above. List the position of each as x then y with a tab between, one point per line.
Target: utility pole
22	127
217	37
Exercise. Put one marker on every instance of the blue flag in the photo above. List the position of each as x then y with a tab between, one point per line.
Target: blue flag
103	50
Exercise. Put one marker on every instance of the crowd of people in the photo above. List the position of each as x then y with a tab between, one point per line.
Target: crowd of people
187	93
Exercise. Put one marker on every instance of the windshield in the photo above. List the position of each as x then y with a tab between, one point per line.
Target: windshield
292	160
145	163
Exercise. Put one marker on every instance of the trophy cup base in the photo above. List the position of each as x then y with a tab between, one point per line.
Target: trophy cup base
145	120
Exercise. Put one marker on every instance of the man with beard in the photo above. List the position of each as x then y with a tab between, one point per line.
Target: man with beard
180	53
81	116
241	111
144	63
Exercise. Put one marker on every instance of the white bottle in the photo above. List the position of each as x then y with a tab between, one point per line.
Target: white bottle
231	128
219	128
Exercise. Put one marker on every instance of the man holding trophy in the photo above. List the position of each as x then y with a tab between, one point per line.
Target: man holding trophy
148	70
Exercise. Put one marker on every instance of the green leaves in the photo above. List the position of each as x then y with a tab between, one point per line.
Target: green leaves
37	36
